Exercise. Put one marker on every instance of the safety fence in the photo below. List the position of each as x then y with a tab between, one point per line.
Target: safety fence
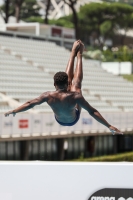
24	124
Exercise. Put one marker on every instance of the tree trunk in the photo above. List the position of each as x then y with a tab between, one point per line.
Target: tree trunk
18	4
75	17
17	11
7	2
47	10
75	20
123	38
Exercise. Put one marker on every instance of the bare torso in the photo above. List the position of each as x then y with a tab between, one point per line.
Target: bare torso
63	104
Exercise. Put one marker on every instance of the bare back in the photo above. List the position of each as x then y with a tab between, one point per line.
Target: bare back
63	104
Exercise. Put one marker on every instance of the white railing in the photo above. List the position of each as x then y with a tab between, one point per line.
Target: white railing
45	124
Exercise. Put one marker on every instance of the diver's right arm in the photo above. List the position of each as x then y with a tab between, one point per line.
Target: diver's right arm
29	104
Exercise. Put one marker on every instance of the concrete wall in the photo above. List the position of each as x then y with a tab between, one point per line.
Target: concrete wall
117	68
65	181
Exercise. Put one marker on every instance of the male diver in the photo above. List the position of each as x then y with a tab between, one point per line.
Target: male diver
67	99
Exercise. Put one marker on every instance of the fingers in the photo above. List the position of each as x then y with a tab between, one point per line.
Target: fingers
115	131
119	132
112	131
6	114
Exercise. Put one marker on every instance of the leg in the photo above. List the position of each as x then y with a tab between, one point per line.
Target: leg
70	65
78	75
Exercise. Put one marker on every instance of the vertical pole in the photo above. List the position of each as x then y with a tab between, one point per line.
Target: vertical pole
115	144
60	148
24	150
37	29
119	68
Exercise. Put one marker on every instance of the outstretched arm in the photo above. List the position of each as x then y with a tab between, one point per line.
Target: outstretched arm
29	104
95	114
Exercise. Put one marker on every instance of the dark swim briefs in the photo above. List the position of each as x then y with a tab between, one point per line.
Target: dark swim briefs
72	123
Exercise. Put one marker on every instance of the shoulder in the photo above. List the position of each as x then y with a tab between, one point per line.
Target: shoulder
45	96
74	95
78	96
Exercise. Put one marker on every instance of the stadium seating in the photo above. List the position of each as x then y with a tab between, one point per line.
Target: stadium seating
4	106
27	68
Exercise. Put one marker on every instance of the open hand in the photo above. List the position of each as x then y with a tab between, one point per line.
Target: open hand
114	130
9	113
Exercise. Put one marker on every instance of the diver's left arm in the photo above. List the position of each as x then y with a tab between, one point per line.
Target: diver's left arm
95	114
29	104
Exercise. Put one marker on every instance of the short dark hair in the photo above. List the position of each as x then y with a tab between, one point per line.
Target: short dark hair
60	78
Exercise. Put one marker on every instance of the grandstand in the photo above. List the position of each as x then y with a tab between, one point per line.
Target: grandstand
27	68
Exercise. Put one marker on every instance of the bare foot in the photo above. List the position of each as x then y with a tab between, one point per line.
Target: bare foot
81	48
76	46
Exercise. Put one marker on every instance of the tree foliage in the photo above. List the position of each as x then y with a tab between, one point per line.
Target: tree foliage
63	21
29	9
104	19
120	1
100	21
21	9
95	22
7	10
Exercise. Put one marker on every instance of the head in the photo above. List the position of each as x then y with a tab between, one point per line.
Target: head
61	80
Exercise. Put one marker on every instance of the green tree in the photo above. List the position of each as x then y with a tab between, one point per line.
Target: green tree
21	9
120	1
29	9
63	21
7	9
104	19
